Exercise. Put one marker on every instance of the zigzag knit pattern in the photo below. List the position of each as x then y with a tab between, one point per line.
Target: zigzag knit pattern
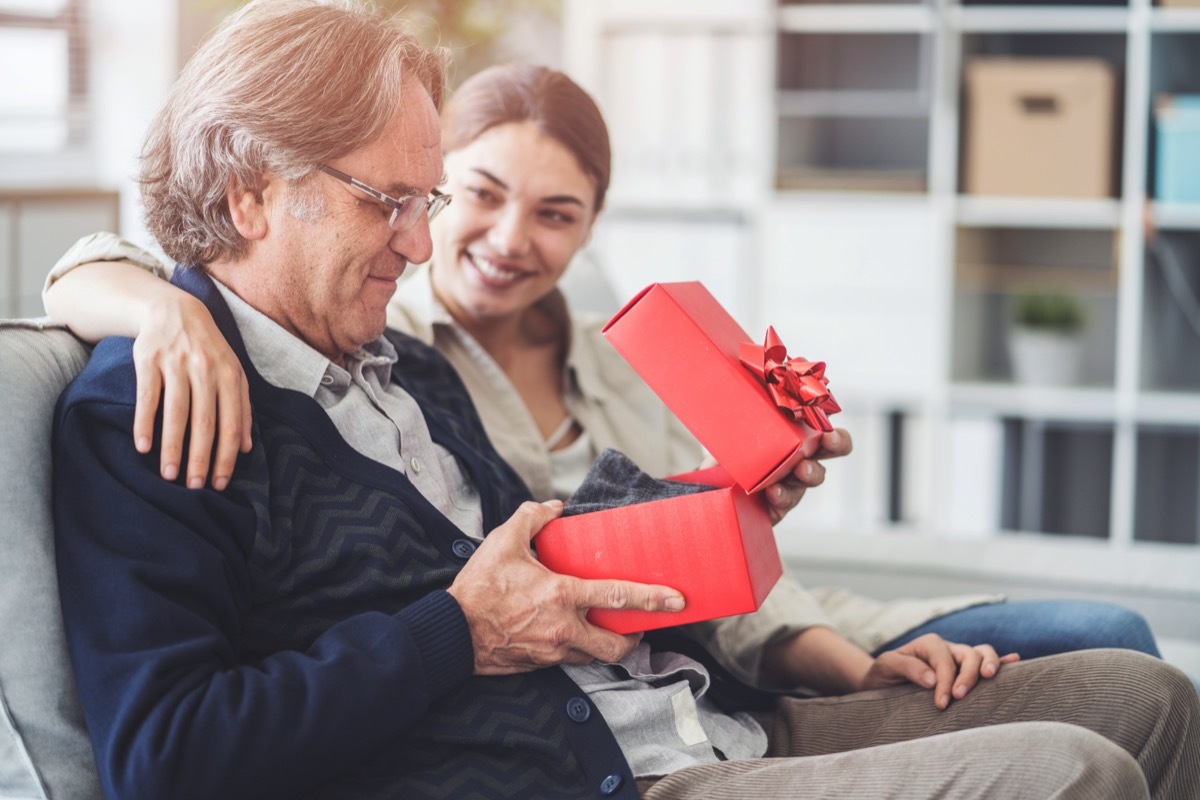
330	544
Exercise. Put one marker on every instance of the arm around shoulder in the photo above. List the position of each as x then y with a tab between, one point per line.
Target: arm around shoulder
104	286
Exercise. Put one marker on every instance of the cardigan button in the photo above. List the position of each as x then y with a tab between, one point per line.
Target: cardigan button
463	548
610	785
578	709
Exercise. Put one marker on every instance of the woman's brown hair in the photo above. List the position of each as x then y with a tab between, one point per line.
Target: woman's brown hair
527	92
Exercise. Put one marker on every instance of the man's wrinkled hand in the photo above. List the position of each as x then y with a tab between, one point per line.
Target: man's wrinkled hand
524	617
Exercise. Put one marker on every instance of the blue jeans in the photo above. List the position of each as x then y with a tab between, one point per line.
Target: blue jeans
1040	628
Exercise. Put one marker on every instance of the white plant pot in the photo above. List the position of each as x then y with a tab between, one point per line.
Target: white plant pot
1045	358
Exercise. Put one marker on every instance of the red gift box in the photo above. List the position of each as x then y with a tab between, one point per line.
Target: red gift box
744	402
716	547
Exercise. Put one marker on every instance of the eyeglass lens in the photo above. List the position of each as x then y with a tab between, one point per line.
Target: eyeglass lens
411	208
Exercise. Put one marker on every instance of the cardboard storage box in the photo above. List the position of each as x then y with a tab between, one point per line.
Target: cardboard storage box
1177	157
716	547
1040	127
686	347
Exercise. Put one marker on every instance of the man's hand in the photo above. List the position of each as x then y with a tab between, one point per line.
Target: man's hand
524	617
950	669
782	497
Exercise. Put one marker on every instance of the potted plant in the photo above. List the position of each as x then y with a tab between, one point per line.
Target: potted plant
1045	342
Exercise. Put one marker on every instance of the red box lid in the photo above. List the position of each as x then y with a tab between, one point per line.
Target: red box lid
685	345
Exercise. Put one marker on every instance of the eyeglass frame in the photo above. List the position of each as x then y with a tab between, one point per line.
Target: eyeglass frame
432	204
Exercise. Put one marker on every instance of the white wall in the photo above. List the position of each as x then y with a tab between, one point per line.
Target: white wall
134	58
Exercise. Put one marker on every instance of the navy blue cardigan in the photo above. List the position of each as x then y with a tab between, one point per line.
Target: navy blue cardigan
292	636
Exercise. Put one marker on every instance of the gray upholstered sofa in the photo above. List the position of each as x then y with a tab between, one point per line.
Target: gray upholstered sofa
44	748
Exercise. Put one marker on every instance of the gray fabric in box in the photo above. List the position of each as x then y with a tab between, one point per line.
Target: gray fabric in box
44	747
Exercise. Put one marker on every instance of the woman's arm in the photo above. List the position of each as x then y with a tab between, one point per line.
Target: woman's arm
181	358
106	298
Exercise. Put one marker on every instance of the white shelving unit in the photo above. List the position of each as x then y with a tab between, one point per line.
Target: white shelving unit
830	138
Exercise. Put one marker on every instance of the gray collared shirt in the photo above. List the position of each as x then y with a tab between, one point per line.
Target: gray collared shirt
356	398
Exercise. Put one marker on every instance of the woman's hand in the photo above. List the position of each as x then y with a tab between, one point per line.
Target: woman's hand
182	359
949	669
782	497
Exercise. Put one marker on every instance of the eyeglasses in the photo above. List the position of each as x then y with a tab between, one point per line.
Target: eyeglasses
405	210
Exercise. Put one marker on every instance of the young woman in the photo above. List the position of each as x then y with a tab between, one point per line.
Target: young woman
527	161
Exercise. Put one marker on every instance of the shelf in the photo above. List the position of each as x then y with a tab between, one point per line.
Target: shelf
856	18
1075	404
1183	20
798	179
1039	19
853	103
1034	212
1176	216
1169	408
1063	405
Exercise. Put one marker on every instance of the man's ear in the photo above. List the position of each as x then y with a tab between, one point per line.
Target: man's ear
247	209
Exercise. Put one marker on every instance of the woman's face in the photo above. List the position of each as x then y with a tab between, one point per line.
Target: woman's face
522	208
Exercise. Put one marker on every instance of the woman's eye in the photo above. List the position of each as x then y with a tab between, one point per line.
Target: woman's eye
483	194
557	217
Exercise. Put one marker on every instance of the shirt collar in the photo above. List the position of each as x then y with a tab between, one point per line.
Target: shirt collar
286	361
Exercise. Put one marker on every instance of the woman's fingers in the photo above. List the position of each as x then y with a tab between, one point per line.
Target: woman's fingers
187	371
149	390
233	427
970	663
204	422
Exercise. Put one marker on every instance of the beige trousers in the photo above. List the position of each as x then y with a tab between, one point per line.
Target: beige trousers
1091	724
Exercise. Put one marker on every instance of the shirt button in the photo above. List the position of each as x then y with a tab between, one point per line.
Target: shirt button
463	548
610	785
415	464
327	379
578	709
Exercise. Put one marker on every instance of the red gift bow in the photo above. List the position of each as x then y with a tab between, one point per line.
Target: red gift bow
797	386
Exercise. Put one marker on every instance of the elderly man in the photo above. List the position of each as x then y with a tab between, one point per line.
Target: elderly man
336	624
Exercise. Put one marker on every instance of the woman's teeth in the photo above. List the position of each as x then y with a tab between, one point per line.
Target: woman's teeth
494	272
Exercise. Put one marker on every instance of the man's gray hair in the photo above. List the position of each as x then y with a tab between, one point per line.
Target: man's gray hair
280	86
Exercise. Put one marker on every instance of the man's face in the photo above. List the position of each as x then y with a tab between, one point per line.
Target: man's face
329	280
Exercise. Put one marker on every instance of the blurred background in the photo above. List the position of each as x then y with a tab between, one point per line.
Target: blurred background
985	218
